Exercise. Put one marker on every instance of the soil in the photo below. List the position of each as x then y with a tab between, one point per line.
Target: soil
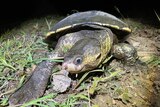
138	85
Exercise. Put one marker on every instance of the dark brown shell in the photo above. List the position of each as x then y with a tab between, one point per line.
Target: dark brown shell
99	18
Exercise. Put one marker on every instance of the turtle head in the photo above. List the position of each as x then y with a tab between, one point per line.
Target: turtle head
74	64
83	56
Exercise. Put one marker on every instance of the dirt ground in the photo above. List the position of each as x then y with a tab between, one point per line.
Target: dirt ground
135	86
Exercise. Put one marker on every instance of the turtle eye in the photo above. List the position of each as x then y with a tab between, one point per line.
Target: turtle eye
78	61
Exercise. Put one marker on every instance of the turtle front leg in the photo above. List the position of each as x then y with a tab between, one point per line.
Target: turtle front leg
129	58
36	84
126	52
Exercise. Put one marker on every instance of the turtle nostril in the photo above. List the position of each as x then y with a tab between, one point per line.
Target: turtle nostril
64	66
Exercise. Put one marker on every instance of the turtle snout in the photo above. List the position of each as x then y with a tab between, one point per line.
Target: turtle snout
64	66
71	67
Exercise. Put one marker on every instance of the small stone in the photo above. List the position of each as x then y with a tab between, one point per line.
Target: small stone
61	82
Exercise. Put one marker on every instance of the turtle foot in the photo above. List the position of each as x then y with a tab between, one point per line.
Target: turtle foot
35	86
24	94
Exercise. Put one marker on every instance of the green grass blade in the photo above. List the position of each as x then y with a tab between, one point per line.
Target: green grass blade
34	102
85	75
157	15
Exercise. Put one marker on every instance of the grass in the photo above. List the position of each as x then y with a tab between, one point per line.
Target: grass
154	61
15	57
47	101
21	49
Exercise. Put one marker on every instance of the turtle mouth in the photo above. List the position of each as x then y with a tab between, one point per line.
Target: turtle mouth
71	67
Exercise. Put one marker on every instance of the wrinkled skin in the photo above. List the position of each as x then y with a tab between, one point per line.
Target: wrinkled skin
83	50
89	51
35	86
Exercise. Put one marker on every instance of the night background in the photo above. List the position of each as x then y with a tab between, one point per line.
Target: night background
15	12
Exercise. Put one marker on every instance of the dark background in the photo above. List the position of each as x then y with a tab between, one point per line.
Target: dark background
13	12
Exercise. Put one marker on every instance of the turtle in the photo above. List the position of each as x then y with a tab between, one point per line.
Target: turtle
81	27
85	40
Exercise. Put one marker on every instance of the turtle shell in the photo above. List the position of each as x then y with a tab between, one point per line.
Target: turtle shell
80	19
